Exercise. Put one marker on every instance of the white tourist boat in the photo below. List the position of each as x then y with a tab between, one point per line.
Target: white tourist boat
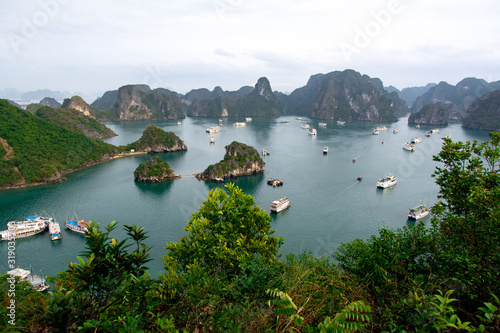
248	119
279	205
298	118
213	129
265	152
322	124
40	218
239	124
36	281
22	229
408	146
325	150
54	230
435	130
419	212
416	140
395	131
428	133
76	225
375	132
340	122
381	128
212	139
304	126
312	131
387	182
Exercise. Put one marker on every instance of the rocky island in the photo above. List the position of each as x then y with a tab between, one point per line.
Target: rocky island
240	160
154	171
155	140
484	113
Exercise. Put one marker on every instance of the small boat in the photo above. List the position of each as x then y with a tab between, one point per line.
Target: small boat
22	229
435	130
387	182
212	139
419	212
353	160
213	129
428	133
381	128
178	123
298	118
265	152
274	182
322	124
416	140
239	124
408	146
395	131
218	179
282	122
40	218
325	150
340	122
359	179
418	126
76	225
375	132
36	281
304	126
312	131
248	119
280	205
54	230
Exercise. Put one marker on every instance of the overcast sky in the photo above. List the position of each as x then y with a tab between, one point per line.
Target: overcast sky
94	46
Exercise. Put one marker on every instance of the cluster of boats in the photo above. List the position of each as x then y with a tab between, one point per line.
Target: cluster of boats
36	224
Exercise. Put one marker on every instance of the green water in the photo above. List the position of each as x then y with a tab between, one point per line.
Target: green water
328	205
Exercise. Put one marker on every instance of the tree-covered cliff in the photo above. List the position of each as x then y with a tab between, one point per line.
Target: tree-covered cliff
156	140
154	171
484	113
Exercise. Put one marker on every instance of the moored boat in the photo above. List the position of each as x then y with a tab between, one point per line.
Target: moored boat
280	205
274	182
54	230
419	212
408	146
22	229
36	281
76	225
387	182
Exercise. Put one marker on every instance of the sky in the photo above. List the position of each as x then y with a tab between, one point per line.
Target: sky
89	47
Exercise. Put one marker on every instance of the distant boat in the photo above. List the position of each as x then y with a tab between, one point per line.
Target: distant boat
408	146
419	212
22	229
212	139
381	128
54	230
304	126
375	132
248	119
325	150
418	126
435	130
322	124
280	205
298	118
416	140
387	182
239	124
359	179
353	160
395	131
213	129
178	123
340	122
265	152
274	182
76	225
312	131
428	133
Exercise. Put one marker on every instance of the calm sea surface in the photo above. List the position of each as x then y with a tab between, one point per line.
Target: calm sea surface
328	205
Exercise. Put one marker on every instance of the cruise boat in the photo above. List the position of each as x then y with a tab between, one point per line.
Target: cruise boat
340	122
22	229
265	152
239	124
435	130
279	205
77	226
312	131
36	281
408	146
40	218
419	212
212	139
322	124
304	126
416	140
248	119
325	150
387	182
54	230
381	128
395	131
213	129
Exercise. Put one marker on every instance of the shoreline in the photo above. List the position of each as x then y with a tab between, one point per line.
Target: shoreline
62	175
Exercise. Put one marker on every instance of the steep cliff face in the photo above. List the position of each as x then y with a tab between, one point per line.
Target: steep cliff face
154	171
346	95
484	113
239	160
258	101
49	101
77	103
156	140
431	114
107	100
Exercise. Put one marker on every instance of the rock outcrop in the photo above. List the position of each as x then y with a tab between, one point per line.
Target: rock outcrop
431	114
156	140
239	160
484	113
77	103
49	101
154	171
346	96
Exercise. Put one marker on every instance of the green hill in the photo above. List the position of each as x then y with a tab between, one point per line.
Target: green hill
34	149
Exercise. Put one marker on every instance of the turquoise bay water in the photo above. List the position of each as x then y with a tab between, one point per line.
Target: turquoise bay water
328	205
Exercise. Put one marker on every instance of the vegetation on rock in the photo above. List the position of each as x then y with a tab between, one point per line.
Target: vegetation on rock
156	140
431	114
153	171
484	113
